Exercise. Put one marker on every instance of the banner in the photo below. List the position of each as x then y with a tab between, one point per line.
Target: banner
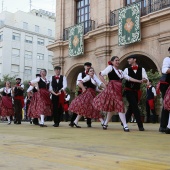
76	42
129	24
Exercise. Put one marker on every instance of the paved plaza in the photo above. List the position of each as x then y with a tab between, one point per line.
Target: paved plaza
30	147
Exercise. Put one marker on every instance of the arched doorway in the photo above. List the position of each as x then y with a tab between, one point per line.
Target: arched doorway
142	61
72	77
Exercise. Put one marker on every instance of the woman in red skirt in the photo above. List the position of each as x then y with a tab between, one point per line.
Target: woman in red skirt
6	102
40	105
110	99
82	104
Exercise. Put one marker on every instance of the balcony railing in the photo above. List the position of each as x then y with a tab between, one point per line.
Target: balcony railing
151	6
89	25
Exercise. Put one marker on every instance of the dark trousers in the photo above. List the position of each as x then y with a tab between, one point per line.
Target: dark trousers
132	98
18	110
57	110
148	109
74	115
164	113
66	117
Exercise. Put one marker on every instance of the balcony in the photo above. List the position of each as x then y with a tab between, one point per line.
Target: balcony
89	25
151	6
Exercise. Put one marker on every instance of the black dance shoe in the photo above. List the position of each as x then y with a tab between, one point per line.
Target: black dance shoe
89	125
15	121
71	124
167	131
18	123
42	125
76	125
105	127
126	129
9	123
141	129
161	129
56	125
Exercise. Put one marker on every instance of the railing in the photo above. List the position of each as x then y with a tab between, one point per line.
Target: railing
89	25
151	6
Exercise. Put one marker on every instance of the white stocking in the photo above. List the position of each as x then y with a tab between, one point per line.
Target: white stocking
101	120
109	115
8	118
77	119
42	119
123	119
169	122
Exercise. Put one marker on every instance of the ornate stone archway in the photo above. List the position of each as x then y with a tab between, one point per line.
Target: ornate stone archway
143	59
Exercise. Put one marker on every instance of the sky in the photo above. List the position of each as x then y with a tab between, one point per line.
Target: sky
24	5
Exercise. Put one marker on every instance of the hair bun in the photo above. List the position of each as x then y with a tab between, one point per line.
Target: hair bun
110	63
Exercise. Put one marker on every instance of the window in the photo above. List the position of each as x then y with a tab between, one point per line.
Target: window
28	54
50	58
142	2
16	36
83	11
0	52
25	25
14	68
40	56
38	70
37	28
49	32
28	70
1	36
15	52
40	41
28	39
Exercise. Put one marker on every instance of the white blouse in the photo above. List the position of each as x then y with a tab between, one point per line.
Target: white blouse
6	90
109	68
38	79
166	65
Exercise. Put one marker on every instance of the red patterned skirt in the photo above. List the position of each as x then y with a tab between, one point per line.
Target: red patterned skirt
6	106
40	104
82	104
167	99
110	99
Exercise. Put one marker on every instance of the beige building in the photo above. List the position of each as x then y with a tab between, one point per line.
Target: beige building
100	18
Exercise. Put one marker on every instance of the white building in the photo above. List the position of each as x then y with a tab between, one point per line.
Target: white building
23	40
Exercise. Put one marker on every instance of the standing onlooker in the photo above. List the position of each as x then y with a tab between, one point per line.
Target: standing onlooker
6	102
132	89
66	105
18	92
58	84
164	84
150	102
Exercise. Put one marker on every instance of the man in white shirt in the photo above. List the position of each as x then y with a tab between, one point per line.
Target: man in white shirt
164	84
58	84
132	89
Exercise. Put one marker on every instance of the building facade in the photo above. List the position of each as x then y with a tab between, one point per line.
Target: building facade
100	19
23	40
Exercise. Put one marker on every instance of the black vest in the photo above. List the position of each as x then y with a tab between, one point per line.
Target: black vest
43	85
149	93
165	78
34	90
6	94
57	86
65	100
113	76
137	75
18	92
88	84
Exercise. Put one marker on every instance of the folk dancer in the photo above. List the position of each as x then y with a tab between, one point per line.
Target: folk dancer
82	104
150	102
18	92
165	91
58	84
132	89
6	106
81	75
40	105
111	100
